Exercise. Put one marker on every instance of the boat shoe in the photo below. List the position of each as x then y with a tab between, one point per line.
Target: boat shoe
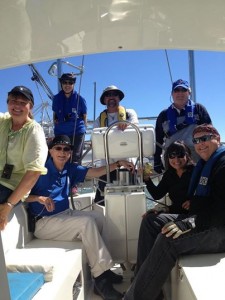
105	289
113	277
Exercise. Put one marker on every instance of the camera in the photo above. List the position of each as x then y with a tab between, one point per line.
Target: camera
7	171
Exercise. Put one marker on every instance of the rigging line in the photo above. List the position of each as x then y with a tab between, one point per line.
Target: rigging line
39	79
42	100
168	64
42	105
78	100
75	124
50	120
44	84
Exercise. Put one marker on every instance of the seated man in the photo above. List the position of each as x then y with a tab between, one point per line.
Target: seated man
48	203
168	236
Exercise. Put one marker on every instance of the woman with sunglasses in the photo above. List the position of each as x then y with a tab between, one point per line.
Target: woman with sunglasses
23	150
175	179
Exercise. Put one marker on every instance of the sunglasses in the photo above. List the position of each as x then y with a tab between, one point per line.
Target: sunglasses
64	149
204	138
182	90
111	94
67	82
176	155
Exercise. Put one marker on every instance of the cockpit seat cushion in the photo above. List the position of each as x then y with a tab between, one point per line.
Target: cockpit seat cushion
40	260
24	285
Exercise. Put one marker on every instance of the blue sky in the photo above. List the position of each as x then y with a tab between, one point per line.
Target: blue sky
143	76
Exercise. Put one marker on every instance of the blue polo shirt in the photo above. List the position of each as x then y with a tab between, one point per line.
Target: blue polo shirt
55	185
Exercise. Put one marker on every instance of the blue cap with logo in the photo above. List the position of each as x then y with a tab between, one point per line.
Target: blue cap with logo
180	83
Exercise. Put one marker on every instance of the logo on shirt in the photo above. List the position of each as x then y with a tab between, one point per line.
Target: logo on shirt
203	180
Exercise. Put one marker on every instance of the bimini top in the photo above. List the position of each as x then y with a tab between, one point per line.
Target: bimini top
38	32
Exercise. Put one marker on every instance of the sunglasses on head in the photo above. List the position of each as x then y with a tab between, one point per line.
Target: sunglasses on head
182	90
204	138
176	155
111	94
68	82
64	149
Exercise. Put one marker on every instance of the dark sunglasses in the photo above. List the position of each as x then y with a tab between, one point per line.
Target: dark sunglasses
176	155
64	149
111	94
204	138
182	90
68	82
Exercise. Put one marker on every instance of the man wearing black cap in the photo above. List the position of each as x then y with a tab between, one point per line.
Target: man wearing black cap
201	231
178	121
70	114
49	205
114	112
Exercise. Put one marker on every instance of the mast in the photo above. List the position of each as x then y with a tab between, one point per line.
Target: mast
59	72
94	101
192	74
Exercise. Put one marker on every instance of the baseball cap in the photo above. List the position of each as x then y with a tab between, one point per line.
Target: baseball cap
180	83
68	76
60	140
20	89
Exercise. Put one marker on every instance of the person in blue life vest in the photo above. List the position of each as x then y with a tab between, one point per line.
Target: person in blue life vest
178	121
114	112
48	206
200	231
70	117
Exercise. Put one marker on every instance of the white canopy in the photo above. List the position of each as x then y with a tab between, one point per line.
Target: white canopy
32	31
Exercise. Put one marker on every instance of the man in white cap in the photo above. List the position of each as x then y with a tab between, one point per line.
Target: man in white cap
114	112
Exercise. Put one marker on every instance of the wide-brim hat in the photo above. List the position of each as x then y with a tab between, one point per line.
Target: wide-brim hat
24	91
111	88
60	140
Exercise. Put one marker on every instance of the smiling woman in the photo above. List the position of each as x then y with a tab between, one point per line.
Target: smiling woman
175	180
23	150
